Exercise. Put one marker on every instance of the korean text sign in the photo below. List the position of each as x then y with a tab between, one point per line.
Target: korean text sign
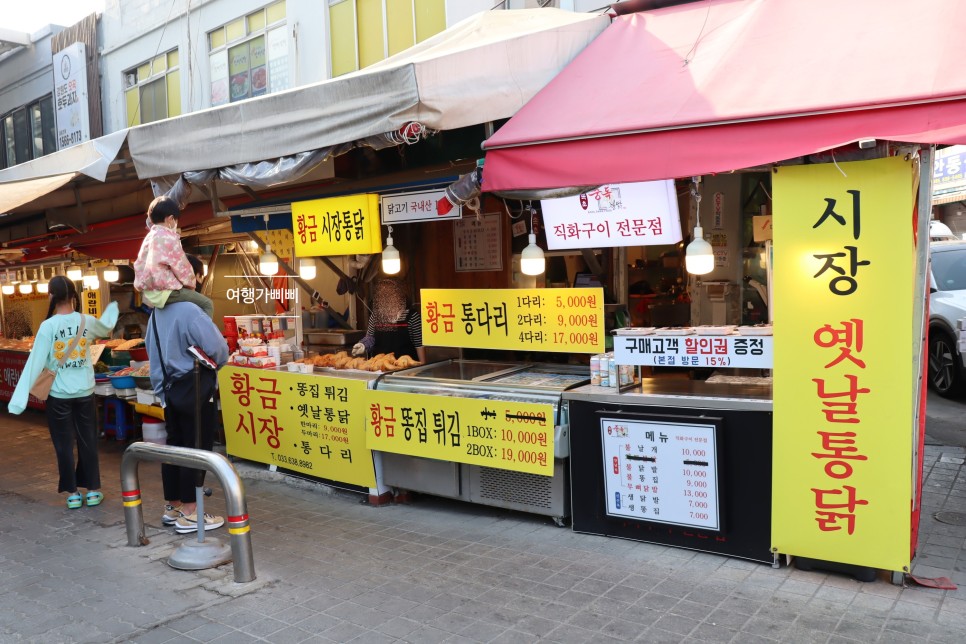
337	226
494	433
627	214
306	423
694	351
844	384
542	319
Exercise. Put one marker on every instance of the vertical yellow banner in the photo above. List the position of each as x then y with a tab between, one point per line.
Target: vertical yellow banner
92	302
844	262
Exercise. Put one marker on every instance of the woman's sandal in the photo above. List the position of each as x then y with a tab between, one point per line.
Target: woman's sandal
94	498
74	501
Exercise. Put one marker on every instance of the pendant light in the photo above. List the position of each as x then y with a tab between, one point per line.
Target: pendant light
8	287
532	259
42	285
267	261
90	278
204	269
75	272
698	256
111	273
25	286
307	269
391	262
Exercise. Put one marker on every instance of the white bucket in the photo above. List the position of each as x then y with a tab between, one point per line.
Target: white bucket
153	431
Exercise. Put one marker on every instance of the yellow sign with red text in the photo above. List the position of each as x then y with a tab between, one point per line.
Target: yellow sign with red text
337	226
307	423
844	258
494	433
539	319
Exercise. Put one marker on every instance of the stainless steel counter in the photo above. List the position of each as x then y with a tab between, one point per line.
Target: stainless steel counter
692	394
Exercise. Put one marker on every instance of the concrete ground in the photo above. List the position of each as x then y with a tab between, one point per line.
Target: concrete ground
331	569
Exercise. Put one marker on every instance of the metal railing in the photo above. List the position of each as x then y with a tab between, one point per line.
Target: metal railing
239	530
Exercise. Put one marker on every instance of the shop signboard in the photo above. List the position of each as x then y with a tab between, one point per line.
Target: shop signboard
494	433
306	423
337	226
70	96
844	380
539	319
710	351
949	171
665	472
11	366
92	302
626	214
409	207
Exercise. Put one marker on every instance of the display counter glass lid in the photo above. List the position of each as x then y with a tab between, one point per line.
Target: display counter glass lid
462	370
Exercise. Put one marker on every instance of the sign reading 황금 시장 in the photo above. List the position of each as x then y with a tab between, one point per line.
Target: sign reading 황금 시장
337	226
660	471
626	214
70	96
494	433
300	422
417	206
752	352
844	378
539	319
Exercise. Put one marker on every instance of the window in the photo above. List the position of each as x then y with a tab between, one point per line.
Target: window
153	89
29	132
249	56
363	32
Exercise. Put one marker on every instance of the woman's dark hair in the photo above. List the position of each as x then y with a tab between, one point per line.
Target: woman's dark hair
61	290
161	208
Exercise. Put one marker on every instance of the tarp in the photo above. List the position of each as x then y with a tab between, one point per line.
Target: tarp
16	193
481	69
727	84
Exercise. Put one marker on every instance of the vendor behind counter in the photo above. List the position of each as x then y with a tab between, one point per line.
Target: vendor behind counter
395	323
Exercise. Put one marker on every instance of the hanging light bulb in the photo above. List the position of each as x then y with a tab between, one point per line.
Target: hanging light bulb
391	262
75	272
698	256
204	269
268	262
111	273
8	287
307	268
42	286
90	278
532	259
25	287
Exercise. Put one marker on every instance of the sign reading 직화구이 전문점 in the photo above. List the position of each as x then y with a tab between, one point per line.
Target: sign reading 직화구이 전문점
539	319
494	433
337	226
300	422
844	379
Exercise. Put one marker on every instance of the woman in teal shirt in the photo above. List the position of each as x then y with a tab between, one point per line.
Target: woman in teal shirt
70	407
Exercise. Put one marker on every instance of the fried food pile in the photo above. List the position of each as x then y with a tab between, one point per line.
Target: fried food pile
379	362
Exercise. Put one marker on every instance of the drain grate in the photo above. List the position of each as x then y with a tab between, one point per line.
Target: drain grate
952	518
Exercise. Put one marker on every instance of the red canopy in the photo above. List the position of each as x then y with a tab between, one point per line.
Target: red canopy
727	84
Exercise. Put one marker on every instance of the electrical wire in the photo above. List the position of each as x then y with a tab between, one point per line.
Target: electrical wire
687	58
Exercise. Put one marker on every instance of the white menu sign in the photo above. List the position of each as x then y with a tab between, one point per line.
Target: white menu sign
626	214
70	96
740	352
662	472
417	206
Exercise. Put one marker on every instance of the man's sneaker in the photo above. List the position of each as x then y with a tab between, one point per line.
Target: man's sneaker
189	523
171	515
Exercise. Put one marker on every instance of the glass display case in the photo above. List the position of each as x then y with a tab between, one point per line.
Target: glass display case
518	382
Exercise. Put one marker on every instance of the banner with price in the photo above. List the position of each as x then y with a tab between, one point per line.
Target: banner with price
539	319
494	433
300	422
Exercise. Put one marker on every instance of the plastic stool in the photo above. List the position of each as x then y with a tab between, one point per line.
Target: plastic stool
117	418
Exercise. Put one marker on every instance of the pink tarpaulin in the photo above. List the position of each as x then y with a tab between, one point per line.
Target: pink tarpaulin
726	84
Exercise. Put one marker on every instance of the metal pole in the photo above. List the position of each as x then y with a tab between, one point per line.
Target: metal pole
200	475
239	529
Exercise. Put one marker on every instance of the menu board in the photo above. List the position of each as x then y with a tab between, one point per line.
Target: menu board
478	244
537	319
307	423
507	435
665	472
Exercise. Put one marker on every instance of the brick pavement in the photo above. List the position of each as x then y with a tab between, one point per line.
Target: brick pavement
330	569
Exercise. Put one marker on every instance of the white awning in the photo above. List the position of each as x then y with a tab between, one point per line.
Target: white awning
481	69
17	193
92	158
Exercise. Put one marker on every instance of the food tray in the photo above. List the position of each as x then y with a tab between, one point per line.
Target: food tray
755	330
715	330
123	382
635	330
334	336
675	330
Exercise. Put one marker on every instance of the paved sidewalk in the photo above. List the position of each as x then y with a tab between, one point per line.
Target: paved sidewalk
330	569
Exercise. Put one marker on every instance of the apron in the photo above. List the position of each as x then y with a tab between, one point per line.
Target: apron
394	338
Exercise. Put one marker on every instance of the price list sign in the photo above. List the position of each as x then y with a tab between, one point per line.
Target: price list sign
694	351
661	472
540	319
301	422
494	433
